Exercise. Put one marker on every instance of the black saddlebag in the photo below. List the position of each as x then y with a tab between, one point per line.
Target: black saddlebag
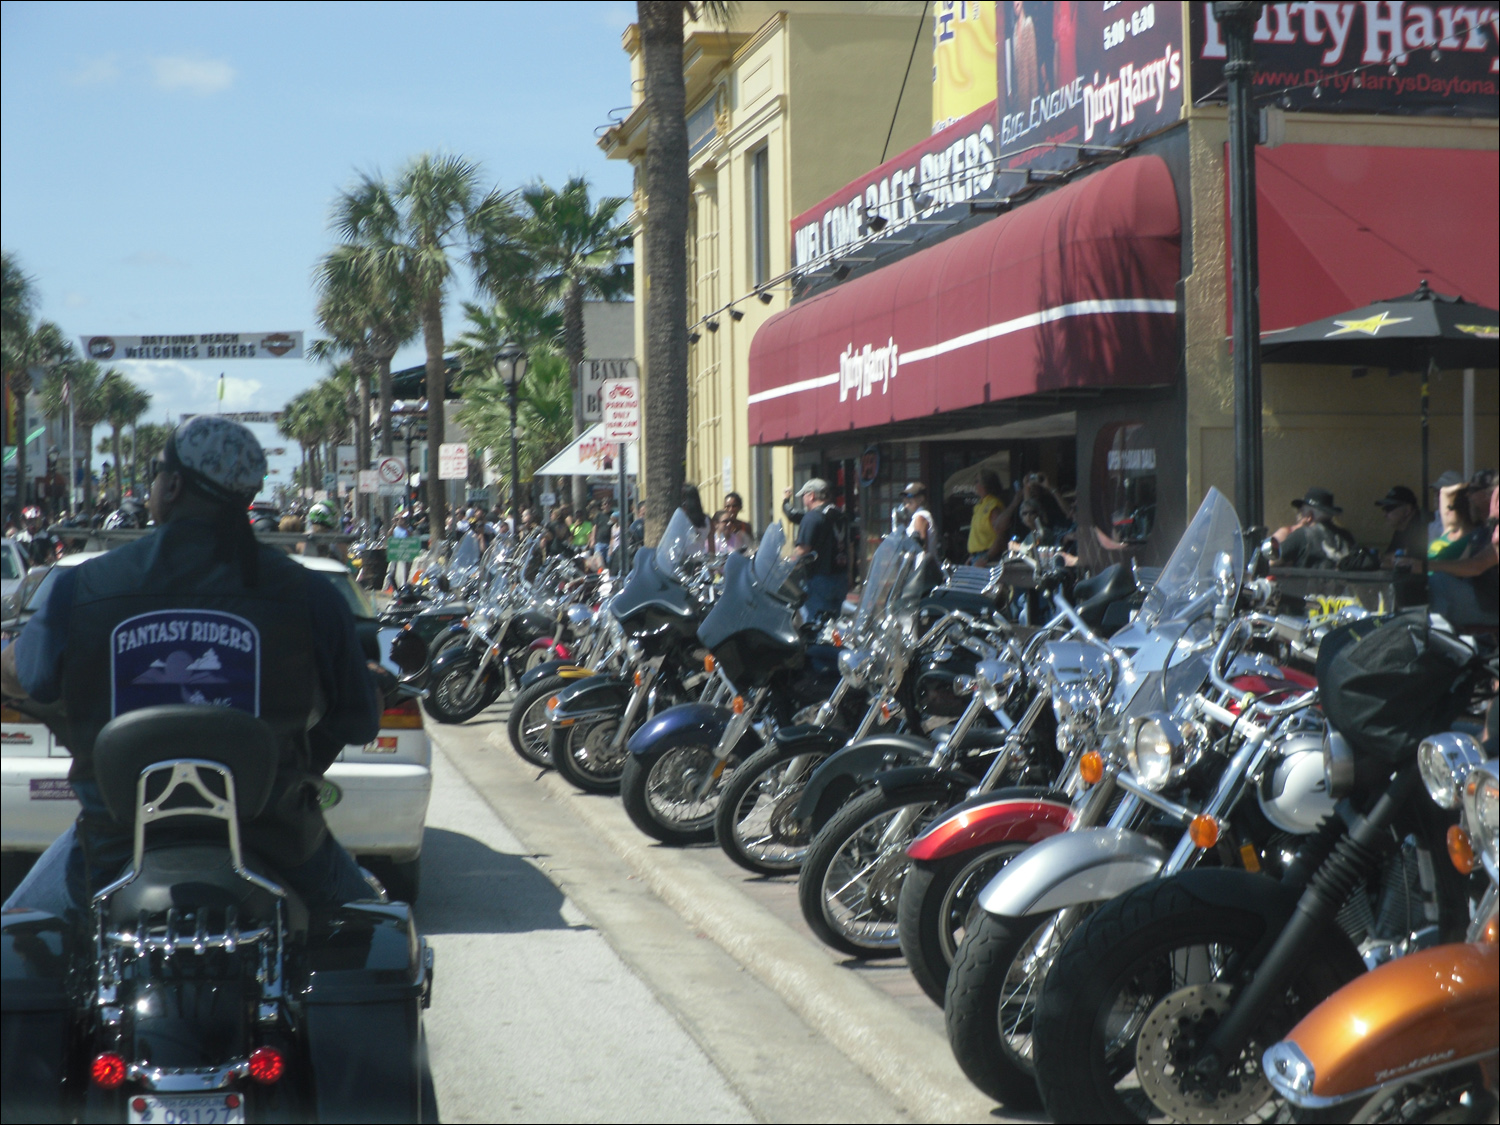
35	1016
368	981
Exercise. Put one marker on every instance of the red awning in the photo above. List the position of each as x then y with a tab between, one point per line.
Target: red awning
1075	289
1342	226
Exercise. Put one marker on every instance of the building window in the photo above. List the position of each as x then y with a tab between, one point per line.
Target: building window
760	215
1124	482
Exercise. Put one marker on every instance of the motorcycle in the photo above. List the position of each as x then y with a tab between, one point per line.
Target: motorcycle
1184	981
197	987
658	609
682	758
1414	1039
599	650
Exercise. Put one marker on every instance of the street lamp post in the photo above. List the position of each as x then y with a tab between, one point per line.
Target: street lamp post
511	360
1237	20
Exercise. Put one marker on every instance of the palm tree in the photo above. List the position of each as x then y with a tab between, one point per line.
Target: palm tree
147	440
79	383
576	248
17	302
124	403
432	218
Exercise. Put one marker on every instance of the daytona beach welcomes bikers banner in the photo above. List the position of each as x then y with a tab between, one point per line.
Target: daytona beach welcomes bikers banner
1416	58
204	345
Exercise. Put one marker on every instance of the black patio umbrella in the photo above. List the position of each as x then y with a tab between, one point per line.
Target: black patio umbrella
1423	331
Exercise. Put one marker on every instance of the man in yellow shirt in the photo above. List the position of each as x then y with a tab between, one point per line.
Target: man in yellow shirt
990	523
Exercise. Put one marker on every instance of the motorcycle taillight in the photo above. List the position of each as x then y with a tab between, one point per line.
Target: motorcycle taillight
403	716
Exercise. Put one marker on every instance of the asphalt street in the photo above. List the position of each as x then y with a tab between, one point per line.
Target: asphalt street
586	973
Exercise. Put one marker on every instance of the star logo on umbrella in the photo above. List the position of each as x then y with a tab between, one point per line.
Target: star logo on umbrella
1370	325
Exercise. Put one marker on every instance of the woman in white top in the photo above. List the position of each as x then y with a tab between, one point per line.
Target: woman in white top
914	496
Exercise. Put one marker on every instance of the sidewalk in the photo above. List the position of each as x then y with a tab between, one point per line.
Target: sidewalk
872	1012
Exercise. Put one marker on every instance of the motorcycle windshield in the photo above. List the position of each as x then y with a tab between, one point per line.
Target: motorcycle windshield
466	554
880	583
770	569
680	542
1188	584
751	628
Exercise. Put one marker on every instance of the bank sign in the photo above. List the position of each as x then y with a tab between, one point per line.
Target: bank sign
1400	58
202	345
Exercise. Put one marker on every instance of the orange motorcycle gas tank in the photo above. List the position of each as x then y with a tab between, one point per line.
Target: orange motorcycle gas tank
1422	1012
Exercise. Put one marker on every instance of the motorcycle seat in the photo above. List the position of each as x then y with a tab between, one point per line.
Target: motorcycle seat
192	877
942	600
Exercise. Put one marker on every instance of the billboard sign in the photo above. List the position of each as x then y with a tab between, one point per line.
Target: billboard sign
203	345
1401	58
963	59
1085	74
593	374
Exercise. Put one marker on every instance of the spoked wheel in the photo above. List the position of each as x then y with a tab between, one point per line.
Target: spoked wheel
1138	988
851	881
672	796
939	904
527	725
754	822
457	697
1454	1097
990	1004
585	754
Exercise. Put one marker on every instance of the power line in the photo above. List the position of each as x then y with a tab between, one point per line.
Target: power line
921	24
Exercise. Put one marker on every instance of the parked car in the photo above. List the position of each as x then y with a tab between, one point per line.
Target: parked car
12	567
374	796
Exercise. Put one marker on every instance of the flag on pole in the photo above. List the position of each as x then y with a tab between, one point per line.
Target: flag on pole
221	388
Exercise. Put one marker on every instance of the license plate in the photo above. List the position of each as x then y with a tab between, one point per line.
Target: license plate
188	1109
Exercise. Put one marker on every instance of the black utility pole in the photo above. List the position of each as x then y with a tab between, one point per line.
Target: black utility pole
515	461
1237	20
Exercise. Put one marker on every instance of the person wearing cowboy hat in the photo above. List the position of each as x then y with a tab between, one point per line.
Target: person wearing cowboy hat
1316	541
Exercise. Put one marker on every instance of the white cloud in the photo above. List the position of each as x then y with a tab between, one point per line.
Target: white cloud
95	71
193	73
75	300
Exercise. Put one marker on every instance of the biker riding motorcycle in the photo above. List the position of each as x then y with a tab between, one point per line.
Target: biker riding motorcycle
199	612
39	545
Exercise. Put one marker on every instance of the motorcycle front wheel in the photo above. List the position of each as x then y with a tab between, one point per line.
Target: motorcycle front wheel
1138	985
851	880
451	699
939	904
754	823
527	724
585	754
665	794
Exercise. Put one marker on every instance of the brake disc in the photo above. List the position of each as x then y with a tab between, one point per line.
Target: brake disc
1171	1038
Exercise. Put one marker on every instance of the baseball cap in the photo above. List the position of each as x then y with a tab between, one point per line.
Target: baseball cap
1447	480
915	488
219	458
1398	495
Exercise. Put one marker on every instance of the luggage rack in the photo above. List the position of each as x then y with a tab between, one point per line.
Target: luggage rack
145	939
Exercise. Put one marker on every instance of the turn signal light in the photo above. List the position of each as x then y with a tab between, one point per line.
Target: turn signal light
637	680
1249	857
404	716
553	702
739	705
107	1070
1460	849
266	1065
1490	935
709	664
1204	831
1091	767
838	639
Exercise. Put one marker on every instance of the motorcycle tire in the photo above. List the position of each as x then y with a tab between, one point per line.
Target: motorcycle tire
754	824
1139	945
860	920
447	699
581	753
527	724
939	904
659	792
987	991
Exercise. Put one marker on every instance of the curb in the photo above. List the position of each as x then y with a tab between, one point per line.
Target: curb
906	1059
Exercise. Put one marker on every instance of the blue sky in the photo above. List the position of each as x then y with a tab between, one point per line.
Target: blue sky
170	167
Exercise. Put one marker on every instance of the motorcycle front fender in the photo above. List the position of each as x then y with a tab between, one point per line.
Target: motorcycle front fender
994	818
1092	865
687	723
590	696
1425	1012
532	625
453	656
855	765
924	783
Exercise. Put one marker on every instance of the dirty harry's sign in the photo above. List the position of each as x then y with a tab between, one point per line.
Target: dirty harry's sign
203	345
1085	74
1419	58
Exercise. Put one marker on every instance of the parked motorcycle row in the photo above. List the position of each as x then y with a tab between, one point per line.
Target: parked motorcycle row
1155	847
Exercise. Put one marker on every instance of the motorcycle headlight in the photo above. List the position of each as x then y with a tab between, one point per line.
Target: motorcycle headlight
1157	741
855	664
994	679
1481	796
1446	760
580	616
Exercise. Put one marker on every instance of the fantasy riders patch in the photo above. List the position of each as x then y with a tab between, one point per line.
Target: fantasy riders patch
201	656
